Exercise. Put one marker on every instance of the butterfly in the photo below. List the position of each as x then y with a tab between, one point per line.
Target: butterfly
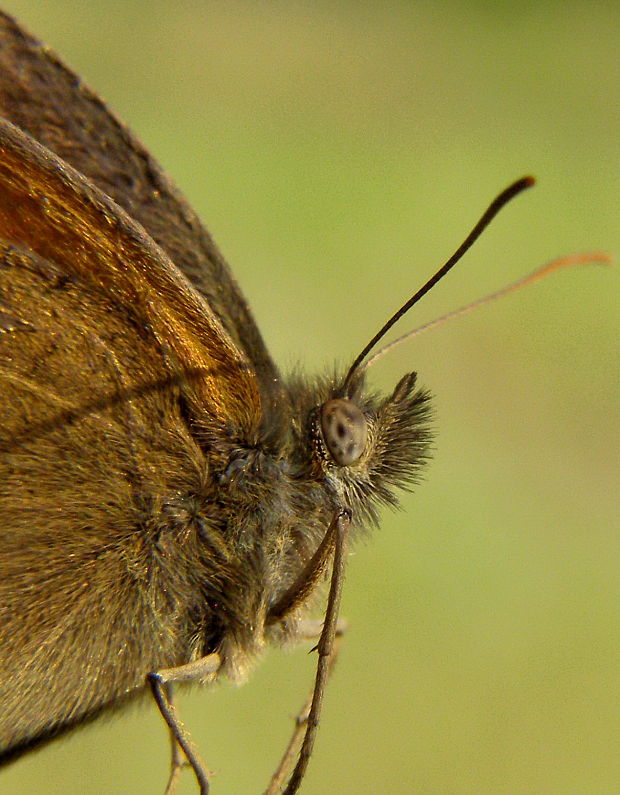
171	503
168	497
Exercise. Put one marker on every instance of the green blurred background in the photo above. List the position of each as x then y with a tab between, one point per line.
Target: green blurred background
339	153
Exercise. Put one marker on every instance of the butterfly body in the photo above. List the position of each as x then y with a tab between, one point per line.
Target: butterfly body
162	487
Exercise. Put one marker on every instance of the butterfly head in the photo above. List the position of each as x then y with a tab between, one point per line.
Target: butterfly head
360	445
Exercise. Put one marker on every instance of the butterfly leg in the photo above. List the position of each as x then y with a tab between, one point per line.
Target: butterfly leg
178	760
309	630
327	647
161	686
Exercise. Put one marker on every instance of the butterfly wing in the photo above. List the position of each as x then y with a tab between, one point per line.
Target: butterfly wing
109	363
45	99
48	207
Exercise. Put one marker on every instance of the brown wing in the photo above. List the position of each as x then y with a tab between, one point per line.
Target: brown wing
108	360
45	99
92	452
52	209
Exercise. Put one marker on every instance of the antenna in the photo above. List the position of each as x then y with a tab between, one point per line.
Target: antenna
572	260
496	205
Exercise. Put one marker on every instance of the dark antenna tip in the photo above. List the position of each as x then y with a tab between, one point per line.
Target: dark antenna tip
489	214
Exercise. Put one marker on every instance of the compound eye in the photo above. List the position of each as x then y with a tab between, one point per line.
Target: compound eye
344	430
